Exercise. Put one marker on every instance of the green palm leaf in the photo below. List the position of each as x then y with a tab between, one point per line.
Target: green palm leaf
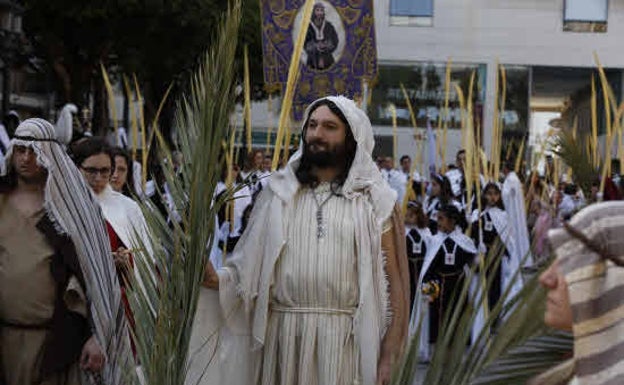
165	293
519	347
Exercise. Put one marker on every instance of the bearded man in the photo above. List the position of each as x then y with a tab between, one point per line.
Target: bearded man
321	40
59	297
321	269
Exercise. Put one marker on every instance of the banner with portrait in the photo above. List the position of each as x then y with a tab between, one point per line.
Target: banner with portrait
339	53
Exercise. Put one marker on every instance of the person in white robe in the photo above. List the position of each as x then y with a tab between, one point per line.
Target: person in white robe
494	237
513	199
406	176
316	290
450	253
456	175
229	228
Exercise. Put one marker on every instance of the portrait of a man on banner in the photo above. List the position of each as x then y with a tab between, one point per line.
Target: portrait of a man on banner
339	52
321	40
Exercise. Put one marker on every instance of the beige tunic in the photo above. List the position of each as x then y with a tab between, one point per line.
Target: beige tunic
315	294
27	295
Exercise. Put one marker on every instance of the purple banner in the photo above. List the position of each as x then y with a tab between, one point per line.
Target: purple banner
339	51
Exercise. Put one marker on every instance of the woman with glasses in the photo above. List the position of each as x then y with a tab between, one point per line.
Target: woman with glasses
124	219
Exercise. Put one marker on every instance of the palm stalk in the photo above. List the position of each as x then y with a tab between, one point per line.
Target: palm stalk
166	287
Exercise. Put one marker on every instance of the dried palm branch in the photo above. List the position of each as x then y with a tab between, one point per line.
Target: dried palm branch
167	283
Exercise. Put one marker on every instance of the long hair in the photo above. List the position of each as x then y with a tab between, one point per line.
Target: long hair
417	209
492	185
304	171
446	191
128	187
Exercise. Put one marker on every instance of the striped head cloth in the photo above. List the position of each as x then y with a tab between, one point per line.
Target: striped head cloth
70	205
590	250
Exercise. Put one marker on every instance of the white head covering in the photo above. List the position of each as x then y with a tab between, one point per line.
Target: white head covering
73	210
364	176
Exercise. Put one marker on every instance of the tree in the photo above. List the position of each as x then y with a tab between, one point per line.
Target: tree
159	41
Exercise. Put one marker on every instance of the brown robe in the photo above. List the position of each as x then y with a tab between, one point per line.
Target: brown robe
40	280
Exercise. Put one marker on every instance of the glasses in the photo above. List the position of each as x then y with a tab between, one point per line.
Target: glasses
105	172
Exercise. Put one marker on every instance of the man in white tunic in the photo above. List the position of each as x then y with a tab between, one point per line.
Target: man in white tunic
316	291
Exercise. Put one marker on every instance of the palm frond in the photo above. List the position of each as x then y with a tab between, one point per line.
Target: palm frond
572	150
513	345
166	288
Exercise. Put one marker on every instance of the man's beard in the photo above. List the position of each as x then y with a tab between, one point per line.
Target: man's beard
331	156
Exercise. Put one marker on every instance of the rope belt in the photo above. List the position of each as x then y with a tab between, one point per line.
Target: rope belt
314	310
330	311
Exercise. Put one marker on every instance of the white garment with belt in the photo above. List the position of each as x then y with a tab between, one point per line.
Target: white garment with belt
314	297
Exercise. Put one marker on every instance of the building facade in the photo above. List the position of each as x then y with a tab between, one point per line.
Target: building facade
545	46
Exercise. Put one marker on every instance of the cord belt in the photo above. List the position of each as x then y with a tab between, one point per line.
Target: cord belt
315	310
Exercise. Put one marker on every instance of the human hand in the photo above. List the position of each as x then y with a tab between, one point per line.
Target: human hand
211	278
122	258
92	357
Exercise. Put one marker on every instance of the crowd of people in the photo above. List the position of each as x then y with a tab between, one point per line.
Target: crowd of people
337	257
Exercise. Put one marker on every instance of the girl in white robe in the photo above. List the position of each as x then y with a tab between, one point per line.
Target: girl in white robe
493	234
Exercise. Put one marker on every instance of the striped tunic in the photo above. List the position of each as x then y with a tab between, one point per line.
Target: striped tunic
314	296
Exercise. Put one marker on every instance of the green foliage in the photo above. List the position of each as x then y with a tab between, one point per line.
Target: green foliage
164	299
513	346
160	41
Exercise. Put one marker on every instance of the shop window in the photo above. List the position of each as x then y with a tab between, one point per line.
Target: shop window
418	13
585	15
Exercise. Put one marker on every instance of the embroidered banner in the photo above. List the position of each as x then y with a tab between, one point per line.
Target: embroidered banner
339	51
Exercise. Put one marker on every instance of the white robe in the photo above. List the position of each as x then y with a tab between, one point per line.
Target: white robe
513	199
511	277
420	307
126	218
314	297
246	280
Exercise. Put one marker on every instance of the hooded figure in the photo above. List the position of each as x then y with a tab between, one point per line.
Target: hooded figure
590	262
513	199
73	212
334	323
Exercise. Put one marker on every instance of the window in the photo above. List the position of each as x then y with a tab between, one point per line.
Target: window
411	12
585	15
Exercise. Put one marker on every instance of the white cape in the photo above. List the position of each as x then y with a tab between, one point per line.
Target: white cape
126	218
